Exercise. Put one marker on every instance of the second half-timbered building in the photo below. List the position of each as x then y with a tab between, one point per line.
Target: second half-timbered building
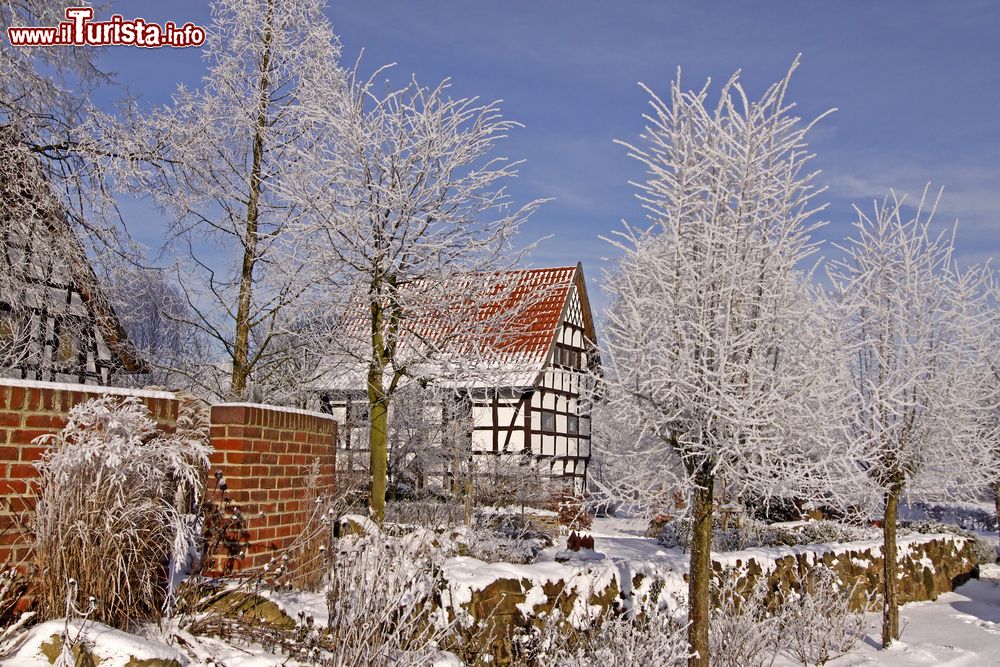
55	324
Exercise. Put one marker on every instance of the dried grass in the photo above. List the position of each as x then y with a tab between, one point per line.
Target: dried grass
107	512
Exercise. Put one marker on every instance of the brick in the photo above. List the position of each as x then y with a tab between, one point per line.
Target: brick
13	487
33	398
229	444
22	471
53	422
15	398
26	436
239	457
32	452
228	414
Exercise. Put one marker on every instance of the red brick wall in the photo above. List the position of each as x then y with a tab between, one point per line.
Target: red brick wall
32	409
265	455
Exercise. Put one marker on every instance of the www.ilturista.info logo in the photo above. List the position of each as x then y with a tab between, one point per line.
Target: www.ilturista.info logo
79	30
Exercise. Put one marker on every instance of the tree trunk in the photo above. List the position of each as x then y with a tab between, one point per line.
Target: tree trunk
241	343
468	493
378	463
890	584
699	579
996	500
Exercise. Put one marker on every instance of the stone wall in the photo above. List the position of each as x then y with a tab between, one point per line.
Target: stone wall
495	598
928	566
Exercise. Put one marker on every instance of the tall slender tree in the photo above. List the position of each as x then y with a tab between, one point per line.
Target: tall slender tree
411	230
916	330
226	149
716	350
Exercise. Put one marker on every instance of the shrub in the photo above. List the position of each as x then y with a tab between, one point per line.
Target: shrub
742	630
817	532
380	600
508	538
812	623
816	622
677	534
655	638
111	509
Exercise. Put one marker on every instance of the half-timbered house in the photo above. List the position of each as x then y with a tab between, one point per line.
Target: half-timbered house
537	409
55	324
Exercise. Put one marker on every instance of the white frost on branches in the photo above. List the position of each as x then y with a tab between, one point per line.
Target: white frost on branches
224	155
917	328
717	351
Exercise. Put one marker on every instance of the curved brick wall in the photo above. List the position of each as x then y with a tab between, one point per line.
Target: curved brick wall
263	452
265	455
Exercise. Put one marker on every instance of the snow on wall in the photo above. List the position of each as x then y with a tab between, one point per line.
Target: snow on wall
584	589
87	388
278	408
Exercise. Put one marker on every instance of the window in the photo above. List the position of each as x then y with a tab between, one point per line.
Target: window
567	357
548	422
572	424
357	414
67	350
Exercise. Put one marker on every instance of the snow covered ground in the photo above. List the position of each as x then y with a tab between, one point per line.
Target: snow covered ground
958	629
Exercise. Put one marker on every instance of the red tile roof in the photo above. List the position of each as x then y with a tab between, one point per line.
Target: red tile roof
536	304
513	332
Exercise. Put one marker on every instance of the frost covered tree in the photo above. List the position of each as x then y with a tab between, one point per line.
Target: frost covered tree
716	347
992	360
224	151
46	109
410	231
916	329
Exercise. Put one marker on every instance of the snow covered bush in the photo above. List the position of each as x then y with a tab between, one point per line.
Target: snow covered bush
742	630
656	638
812	623
823	531
380	599
111	510
508	538
429	513
816	623
676	534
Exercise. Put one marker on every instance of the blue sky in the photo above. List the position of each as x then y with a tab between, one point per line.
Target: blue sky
917	85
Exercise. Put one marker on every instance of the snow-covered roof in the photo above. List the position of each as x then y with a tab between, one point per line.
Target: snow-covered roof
504	338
